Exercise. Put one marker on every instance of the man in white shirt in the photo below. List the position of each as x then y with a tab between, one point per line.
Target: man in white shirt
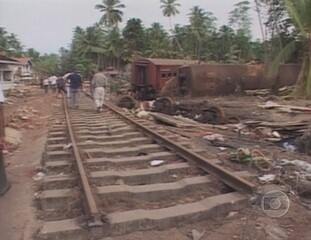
46	83
67	84
53	81
99	83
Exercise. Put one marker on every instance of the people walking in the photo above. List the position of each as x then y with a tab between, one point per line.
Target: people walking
74	88
61	86
99	83
67	84
53	82
46	84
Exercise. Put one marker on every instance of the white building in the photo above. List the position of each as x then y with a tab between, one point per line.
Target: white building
9	71
15	70
24	70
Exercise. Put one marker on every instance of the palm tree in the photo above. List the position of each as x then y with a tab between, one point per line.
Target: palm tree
299	12
90	43
198	29
170	9
112	12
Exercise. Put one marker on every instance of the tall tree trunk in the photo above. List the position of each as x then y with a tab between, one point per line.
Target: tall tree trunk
303	86
301	82
263	35
177	41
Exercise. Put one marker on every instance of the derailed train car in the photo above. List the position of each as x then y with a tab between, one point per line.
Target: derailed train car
149	75
189	79
224	79
206	80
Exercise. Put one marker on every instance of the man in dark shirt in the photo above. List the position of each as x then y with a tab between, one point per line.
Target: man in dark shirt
74	88
61	84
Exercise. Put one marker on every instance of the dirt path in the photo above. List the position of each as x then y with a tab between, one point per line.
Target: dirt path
17	216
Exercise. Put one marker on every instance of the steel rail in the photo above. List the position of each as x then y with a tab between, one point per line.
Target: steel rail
232	180
95	218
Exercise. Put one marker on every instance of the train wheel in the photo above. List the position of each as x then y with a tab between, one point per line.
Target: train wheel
164	105
127	102
213	115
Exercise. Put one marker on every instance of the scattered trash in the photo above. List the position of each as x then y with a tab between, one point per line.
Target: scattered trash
155	163
256	157
39	176
267	178
289	147
196	235
232	214
143	114
243	155
276	134
214	137
304	166
68	146
222	148
174	176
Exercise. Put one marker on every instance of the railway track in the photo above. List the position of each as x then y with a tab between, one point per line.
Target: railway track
100	180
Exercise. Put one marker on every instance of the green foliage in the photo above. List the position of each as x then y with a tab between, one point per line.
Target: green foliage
10	43
48	64
112	12
170	7
239	18
134	36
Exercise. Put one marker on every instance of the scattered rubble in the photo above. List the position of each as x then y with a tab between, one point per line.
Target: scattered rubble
13	136
24	117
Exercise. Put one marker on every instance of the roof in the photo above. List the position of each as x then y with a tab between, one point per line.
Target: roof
167	62
23	60
7	60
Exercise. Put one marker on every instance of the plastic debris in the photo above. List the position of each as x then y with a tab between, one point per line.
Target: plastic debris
214	137
304	166
267	178
68	146
289	147
39	176
155	163
143	114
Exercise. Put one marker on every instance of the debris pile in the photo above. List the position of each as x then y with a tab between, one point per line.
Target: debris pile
21	91
25	117
277	131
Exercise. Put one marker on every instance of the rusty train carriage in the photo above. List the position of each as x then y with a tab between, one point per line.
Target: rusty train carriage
201	80
149	75
224	79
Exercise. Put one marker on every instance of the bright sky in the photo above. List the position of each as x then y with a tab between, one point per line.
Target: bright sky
47	25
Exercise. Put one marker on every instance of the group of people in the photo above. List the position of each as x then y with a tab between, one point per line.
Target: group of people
71	84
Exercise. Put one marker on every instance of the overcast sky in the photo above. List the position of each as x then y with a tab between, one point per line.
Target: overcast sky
47	25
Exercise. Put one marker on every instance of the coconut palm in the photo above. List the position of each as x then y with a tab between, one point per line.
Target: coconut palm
299	12
112	12
170	9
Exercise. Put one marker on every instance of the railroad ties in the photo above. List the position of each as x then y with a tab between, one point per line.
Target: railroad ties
118	191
